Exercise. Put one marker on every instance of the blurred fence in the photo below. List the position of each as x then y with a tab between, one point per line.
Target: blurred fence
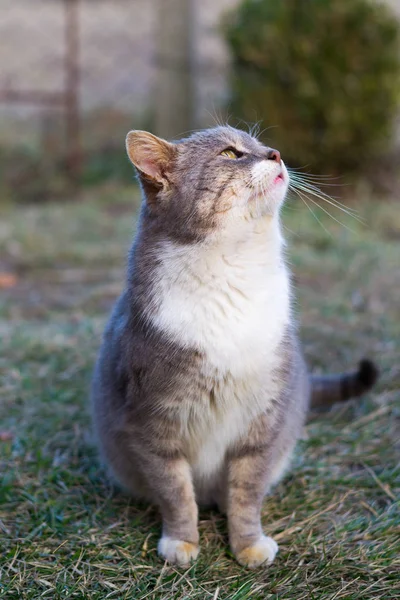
66	98
77	74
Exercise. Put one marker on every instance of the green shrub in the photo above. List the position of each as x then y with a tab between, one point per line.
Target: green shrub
325	74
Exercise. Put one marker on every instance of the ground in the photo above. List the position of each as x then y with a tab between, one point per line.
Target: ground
66	533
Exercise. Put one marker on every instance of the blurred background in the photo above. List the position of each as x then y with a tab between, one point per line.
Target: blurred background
76	75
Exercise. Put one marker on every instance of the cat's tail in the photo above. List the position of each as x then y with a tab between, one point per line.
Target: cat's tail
328	389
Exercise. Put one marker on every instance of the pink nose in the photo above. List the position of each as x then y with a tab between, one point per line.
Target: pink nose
274	155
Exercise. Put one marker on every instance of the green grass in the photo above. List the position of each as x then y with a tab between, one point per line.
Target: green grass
65	533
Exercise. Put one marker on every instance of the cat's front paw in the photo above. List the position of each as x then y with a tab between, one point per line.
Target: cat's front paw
177	552
262	552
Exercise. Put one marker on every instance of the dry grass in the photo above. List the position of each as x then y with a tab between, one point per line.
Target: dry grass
65	533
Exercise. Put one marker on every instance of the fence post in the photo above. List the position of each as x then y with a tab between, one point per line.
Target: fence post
174	94
72	82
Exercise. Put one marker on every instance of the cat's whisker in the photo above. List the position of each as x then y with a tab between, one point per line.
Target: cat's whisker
348	213
316	193
315	182
315	176
318	179
330	215
312	184
252	129
300	171
218	120
255	129
267	129
188	131
301	196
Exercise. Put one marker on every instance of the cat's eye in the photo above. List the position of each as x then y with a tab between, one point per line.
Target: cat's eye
231	153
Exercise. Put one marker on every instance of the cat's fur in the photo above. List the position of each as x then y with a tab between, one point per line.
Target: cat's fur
200	390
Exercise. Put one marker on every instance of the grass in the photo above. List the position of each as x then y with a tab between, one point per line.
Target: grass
65	533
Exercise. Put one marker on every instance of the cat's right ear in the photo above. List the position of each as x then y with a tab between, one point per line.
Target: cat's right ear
151	155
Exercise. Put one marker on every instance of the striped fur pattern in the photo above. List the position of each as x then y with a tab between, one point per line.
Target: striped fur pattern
200	390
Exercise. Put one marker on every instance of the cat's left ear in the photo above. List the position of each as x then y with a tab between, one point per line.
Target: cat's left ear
151	155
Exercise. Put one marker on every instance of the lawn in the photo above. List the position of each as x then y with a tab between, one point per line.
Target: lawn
66	533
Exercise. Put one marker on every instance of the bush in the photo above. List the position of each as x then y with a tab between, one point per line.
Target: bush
325	73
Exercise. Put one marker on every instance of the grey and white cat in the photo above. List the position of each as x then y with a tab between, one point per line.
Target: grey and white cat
200	391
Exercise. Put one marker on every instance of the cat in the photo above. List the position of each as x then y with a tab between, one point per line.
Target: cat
200	391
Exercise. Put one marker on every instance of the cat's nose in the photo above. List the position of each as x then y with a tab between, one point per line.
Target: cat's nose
274	155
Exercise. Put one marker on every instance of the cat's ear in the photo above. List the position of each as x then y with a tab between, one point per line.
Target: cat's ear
152	156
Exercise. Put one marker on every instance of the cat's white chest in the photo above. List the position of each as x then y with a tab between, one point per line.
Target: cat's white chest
233	309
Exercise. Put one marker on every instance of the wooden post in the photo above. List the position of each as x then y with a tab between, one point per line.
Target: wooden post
72	76
174	93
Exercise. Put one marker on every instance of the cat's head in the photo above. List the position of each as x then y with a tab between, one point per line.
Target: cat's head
216	181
